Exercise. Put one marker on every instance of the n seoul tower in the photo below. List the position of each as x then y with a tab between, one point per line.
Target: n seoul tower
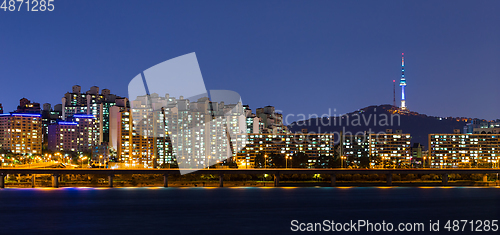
402	82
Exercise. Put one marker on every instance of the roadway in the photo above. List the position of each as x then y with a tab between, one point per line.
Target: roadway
59	171
221	172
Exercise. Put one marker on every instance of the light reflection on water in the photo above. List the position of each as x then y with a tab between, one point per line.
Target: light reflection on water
250	187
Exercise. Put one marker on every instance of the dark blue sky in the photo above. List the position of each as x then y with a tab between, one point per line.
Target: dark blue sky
300	56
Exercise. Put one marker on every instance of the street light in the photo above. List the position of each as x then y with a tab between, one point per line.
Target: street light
247	161
497	166
286	162
58	156
265	161
83	158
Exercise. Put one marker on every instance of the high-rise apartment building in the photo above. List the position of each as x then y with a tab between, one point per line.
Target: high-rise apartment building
313	145
478	126
21	133
253	122
26	106
49	116
139	144
76	134
272	121
159	130
464	150
92	103
390	150
355	150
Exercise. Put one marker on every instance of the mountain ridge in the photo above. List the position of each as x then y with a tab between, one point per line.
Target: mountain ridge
378	118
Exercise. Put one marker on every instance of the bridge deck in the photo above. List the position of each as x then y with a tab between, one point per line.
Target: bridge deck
5	171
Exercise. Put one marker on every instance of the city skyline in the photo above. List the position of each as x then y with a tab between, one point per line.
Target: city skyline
249	117
171	109
290	117
449	49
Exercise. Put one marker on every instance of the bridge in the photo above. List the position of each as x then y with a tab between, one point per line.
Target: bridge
276	172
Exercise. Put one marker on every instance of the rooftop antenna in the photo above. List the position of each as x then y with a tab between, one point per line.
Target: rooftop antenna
394	93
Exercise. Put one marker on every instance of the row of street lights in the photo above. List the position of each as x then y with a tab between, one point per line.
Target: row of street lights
286	160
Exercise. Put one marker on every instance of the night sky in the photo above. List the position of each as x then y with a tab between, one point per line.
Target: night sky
300	56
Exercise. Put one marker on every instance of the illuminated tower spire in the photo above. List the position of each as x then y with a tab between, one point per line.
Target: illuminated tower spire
402	82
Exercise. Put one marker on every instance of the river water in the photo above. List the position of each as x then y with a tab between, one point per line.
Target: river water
233	210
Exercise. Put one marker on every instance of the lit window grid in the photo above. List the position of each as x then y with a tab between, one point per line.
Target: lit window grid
464	150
